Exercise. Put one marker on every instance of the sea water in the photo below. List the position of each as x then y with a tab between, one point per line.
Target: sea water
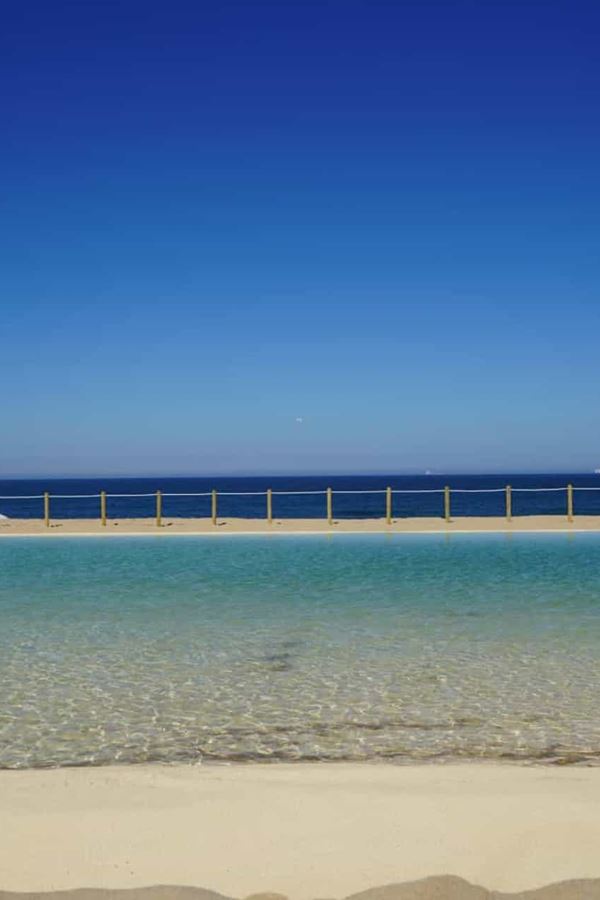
397	647
472	495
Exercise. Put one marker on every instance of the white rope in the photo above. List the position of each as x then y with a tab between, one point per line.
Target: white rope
205	494
241	493
477	490
129	495
295	493
538	490
303	493
73	496
360	492
423	491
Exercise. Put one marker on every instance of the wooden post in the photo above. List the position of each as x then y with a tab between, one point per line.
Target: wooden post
569	502
270	506
447	503
46	509
329	506
213	505
158	509
388	505
508	503
103	507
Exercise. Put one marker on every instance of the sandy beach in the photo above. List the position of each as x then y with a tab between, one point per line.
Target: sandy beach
474	524
306	831
303	830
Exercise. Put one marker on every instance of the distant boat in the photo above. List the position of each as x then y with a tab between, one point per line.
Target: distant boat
596	471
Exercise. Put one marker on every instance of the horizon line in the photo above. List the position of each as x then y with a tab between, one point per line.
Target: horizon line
290	474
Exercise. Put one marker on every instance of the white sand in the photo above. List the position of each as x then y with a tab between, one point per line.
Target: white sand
305	830
457	525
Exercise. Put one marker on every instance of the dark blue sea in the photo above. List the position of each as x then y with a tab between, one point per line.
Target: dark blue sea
465	501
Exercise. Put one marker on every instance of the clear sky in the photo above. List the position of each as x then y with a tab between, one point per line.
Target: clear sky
299	236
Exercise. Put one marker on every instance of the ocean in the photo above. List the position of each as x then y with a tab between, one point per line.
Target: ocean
302	505
350	647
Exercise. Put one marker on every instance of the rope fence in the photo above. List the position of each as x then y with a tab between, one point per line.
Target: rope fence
328	493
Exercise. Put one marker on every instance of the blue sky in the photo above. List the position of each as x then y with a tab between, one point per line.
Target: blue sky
378	218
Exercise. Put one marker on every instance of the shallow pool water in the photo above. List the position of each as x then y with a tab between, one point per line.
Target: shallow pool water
401	647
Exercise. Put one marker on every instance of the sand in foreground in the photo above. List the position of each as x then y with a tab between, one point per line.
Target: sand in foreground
305	830
440	887
280	526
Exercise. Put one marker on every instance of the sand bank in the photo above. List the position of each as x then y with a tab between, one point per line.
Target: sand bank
304	830
469	524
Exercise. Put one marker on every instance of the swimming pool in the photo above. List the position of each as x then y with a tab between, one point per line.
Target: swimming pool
402	647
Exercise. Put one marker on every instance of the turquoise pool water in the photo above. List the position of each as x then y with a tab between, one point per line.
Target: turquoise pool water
401	647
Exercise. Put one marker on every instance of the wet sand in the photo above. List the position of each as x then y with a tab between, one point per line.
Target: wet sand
471	524
303	830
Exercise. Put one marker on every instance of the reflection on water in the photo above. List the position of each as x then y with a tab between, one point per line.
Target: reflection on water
190	649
